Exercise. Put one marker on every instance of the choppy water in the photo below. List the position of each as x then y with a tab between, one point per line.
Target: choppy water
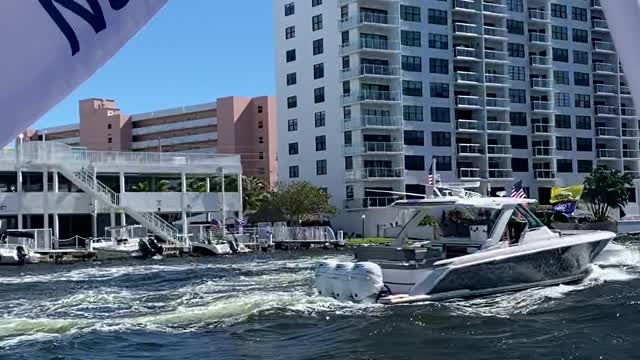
264	307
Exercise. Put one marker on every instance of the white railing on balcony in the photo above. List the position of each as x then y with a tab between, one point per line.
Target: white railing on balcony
599	24
462	52
604	46
538	15
541	106
538	38
545	174
468	101
625	90
495	32
375	173
607	153
496	79
376	95
500	173
494	8
499	149
469	173
606	110
464	76
607	131
367	17
379	70
469	149
469	125
631	154
627	111
605	89
541	84
500	126
466	5
372	121
382	147
543	128
470	29
536	60
544	151
379	44
631	133
497	103
493	55
605	67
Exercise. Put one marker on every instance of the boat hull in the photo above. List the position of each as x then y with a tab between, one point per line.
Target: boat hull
208	250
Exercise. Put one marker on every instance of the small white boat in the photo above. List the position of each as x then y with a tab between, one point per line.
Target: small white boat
125	242
226	245
17	248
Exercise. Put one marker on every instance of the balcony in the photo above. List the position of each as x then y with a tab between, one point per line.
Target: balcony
372	96
604	46
373	122
463	53
469	150
369	70
607	154
468	102
627	111
538	15
497	174
496	79
369	202
490	31
468	77
469	125
599	25
545	174
630	133
371	45
602	89
495	56
501	104
499	150
542	106
498	126
607	132
383	147
543	61
538	38
625	90
544	151
466	5
542	129
494	9
469	174
541	84
604	68
630	154
368	18
375	174
466	29
602	110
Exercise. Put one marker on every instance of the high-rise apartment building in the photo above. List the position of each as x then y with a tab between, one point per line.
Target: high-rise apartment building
496	91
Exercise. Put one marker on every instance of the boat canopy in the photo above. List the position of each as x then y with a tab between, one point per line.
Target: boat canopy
485	203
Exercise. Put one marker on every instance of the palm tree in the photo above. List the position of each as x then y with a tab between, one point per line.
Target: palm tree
197	185
606	190
254	193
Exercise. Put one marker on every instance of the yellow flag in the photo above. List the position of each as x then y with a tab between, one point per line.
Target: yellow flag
570	193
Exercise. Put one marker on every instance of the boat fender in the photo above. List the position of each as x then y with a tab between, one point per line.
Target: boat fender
324	285
341	282
366	282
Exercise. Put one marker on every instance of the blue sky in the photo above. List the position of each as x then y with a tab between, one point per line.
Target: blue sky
193	51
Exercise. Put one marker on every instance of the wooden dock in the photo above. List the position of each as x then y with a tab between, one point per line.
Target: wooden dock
63	256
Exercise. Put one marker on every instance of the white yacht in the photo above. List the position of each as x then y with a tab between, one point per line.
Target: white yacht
481	246
125	242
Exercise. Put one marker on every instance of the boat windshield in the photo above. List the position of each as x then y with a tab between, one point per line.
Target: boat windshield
457	222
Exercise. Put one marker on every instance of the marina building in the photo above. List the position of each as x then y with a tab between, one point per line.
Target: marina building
231	125
370	92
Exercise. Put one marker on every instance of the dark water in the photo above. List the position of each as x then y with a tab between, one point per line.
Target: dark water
264	307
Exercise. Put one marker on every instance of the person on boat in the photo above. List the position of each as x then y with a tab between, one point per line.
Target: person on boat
453	225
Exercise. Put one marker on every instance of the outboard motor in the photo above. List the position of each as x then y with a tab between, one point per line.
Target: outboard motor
366	281
324	285
359	282
21	254
341	285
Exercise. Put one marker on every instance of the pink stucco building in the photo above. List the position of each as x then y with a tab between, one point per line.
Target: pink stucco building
230	125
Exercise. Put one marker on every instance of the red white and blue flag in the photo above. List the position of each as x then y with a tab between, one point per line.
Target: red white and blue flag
517	191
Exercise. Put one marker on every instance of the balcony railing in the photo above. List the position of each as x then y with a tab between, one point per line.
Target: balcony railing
496	79
469	149
606	110
545	174
498	126
497	103
631	154
605	89
607	154
492	55
368	18
541	84
497	9
469	173
470	77
631	133
375	173
465	29
536	60
473	101
543	129
372	121
379	70
495	32
607	132
544	151
605	68
538	15
382	147
462	52
599	25
541	106
375	95
627	111
500	173
499	149
603	46
469	5
625	90
538	38
470	125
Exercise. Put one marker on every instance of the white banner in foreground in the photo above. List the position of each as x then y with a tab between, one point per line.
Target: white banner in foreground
50	47
623	19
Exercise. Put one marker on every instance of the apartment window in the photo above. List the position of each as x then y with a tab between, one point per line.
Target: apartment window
581	36
260	125
289	9
294	172
561	77
579	14
292	79
346	88
318	71
109	140
321	167
292	102
440	138
564	165
290	32
316	22
321	143
414	137
518	118
437	17
320	118
348	138
348	163
438	66
260	109
293	148
559	32
584	144
583	122
515	5
349	191
291	55
563	121
516	73
438	41
261	155
585	166
559	11
318	47
562	99
260	140
520	164
581	79
410	13
411	88
515	27
563	143
440	114
443	163
583	101
414	163
345	37
517	96
561	55
410	38
315	3
519	142
515	50
292	125
346	112
580	57
412	113
109	126
318	95
411	63
439	90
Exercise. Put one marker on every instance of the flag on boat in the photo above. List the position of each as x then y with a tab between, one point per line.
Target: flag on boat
430	175
517	191
240	222
53	46
565	200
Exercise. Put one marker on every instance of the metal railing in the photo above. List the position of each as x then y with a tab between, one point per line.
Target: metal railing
541	106
461	28
545	174
372	121
493	55
498	126
494	8
495	32
499	149
497	103
607	131
538	38
627	111
375	173
383	147
606	110
544	151
536	60
464	76
607	154
541	84
379	70
538	15
500	174
469	125
469	173
597	24
466	53
542	128
605	67
625	90
466	5
630	133
603	46
605	89
631	154
496	79
468	101
376	95
469	149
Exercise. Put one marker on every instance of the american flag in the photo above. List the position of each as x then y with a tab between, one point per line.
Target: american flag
517	191
430	175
